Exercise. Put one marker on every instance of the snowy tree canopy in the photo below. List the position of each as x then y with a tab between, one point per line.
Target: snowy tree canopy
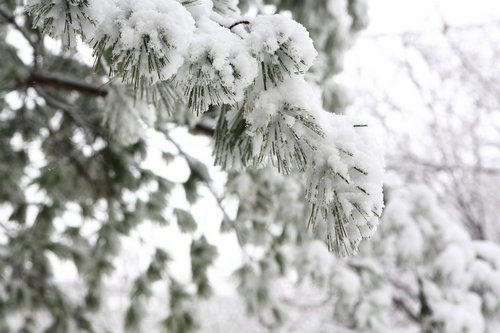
250	70
90	89
150	149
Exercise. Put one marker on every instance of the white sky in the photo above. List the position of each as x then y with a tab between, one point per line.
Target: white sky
396	16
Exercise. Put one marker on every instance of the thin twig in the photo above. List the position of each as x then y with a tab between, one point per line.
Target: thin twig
72	113
217	199
12	20
400	304
436	31
238	23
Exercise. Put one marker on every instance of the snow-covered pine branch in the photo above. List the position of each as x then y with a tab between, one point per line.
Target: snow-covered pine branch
250	71
64	19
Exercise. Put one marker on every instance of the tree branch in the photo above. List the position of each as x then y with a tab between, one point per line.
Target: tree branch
58	82
37	78
203	129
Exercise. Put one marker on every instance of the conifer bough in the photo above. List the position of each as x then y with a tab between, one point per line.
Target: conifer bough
201	54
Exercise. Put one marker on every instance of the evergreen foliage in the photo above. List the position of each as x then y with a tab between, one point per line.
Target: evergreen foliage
73	138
